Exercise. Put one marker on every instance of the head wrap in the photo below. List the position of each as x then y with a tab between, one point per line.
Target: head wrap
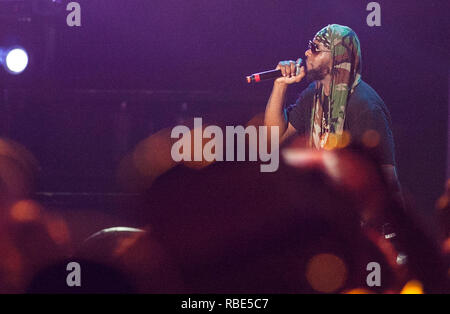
327	119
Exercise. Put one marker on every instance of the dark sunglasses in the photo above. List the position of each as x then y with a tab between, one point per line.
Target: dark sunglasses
315	48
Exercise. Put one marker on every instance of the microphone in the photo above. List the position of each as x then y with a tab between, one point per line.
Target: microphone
272	74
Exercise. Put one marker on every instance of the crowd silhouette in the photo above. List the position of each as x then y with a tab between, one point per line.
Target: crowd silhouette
313	226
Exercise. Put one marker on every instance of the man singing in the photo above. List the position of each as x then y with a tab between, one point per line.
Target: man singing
336	102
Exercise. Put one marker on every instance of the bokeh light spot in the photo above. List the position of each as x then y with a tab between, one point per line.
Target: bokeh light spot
358	291
371	138
58	231
326	273
442	202
25	211
413	287
16	60
344	139
332	142
446	246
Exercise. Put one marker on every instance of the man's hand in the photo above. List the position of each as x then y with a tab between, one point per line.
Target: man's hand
288	69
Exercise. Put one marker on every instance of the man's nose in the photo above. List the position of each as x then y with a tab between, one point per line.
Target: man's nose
308	53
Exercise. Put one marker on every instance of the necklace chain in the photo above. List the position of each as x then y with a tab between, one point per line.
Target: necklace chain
325	127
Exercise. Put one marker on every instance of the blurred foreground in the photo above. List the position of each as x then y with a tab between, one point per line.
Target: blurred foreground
200	227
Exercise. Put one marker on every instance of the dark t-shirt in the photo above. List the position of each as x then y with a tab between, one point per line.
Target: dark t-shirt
365	111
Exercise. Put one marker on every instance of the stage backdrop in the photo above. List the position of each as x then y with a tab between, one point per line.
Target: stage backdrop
164	59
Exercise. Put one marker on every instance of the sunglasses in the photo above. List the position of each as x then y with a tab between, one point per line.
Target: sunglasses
315	48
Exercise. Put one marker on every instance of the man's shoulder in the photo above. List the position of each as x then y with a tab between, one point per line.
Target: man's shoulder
365	98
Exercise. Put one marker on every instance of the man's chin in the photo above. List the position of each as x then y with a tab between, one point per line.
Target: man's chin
313	75
311	78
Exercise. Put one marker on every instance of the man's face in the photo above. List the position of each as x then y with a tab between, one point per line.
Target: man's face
318	64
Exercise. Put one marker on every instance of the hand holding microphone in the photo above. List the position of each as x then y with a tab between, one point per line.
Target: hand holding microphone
286	72
291	72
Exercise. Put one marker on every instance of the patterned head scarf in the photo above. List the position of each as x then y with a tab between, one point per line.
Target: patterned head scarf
328	119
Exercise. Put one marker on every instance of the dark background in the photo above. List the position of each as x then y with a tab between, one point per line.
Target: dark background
136	66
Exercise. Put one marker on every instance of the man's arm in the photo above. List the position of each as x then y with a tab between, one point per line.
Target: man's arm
378	124
390	173
274	115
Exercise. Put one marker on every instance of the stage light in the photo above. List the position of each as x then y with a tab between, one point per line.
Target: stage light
413	287
16	60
